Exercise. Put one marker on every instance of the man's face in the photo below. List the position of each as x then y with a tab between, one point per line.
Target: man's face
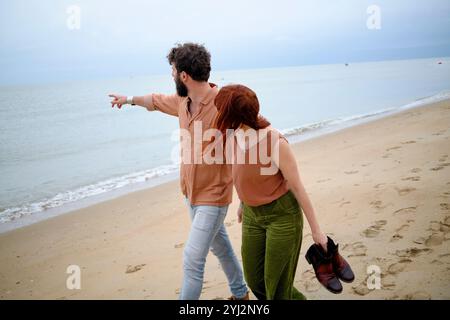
182	90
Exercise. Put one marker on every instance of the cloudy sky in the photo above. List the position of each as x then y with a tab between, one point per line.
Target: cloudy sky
42	41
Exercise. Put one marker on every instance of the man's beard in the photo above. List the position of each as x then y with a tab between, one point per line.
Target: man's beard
182	90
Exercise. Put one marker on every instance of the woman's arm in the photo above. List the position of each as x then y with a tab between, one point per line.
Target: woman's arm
288	166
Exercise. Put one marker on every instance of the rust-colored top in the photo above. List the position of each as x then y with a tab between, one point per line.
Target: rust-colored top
201	183
260	181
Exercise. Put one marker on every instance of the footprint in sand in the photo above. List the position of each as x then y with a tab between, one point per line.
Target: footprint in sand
308	273
408	142
445	257
418	295
386	155
415	170
434	226
179	245
351	172
323	180
411	252
377	204
437	262
228	224
396	237
413	178
437	168
131	269
440	226
445	206
393	148
361	289
445	194
445	225
405	210
398	266
443	158
205	286
420	240
374	230
356	249
399	231
339	201
311	284
404	191
366	164
435	239
379	185
387	282
344	203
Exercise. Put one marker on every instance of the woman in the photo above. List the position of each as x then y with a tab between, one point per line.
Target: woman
270	211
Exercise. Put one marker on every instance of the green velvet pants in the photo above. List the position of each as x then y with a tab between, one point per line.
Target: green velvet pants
271	241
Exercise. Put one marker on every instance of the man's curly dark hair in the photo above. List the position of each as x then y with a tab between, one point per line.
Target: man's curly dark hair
191	58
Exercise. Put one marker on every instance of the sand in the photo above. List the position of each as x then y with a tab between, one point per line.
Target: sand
380	189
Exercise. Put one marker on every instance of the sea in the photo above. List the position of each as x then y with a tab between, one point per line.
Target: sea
62	146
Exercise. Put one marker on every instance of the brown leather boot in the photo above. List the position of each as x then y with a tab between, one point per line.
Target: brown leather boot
323	268
341	267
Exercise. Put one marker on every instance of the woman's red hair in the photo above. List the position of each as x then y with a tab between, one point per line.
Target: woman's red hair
236	104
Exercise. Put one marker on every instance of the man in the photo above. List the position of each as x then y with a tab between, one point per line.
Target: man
207	187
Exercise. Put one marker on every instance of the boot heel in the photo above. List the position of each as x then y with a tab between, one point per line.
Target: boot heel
309	254
307	259
323	268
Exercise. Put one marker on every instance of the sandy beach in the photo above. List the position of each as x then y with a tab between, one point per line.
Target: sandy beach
380	189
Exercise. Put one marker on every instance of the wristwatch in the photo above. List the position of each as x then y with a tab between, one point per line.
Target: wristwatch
130	100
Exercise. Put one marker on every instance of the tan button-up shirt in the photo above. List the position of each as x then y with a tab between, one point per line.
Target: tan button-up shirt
201	183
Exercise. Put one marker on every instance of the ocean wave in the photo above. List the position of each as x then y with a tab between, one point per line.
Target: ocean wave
62	198
329	122
443	95
300	130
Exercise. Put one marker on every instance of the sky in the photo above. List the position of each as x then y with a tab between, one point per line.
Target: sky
59	40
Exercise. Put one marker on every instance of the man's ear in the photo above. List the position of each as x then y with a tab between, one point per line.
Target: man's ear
183	76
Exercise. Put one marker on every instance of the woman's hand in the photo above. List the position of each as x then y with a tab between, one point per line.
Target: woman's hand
239	213
118	100
321	239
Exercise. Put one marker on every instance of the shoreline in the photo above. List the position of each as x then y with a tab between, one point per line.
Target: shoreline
295	136
381	189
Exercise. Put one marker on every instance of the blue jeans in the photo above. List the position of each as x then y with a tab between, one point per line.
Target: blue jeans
208	232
